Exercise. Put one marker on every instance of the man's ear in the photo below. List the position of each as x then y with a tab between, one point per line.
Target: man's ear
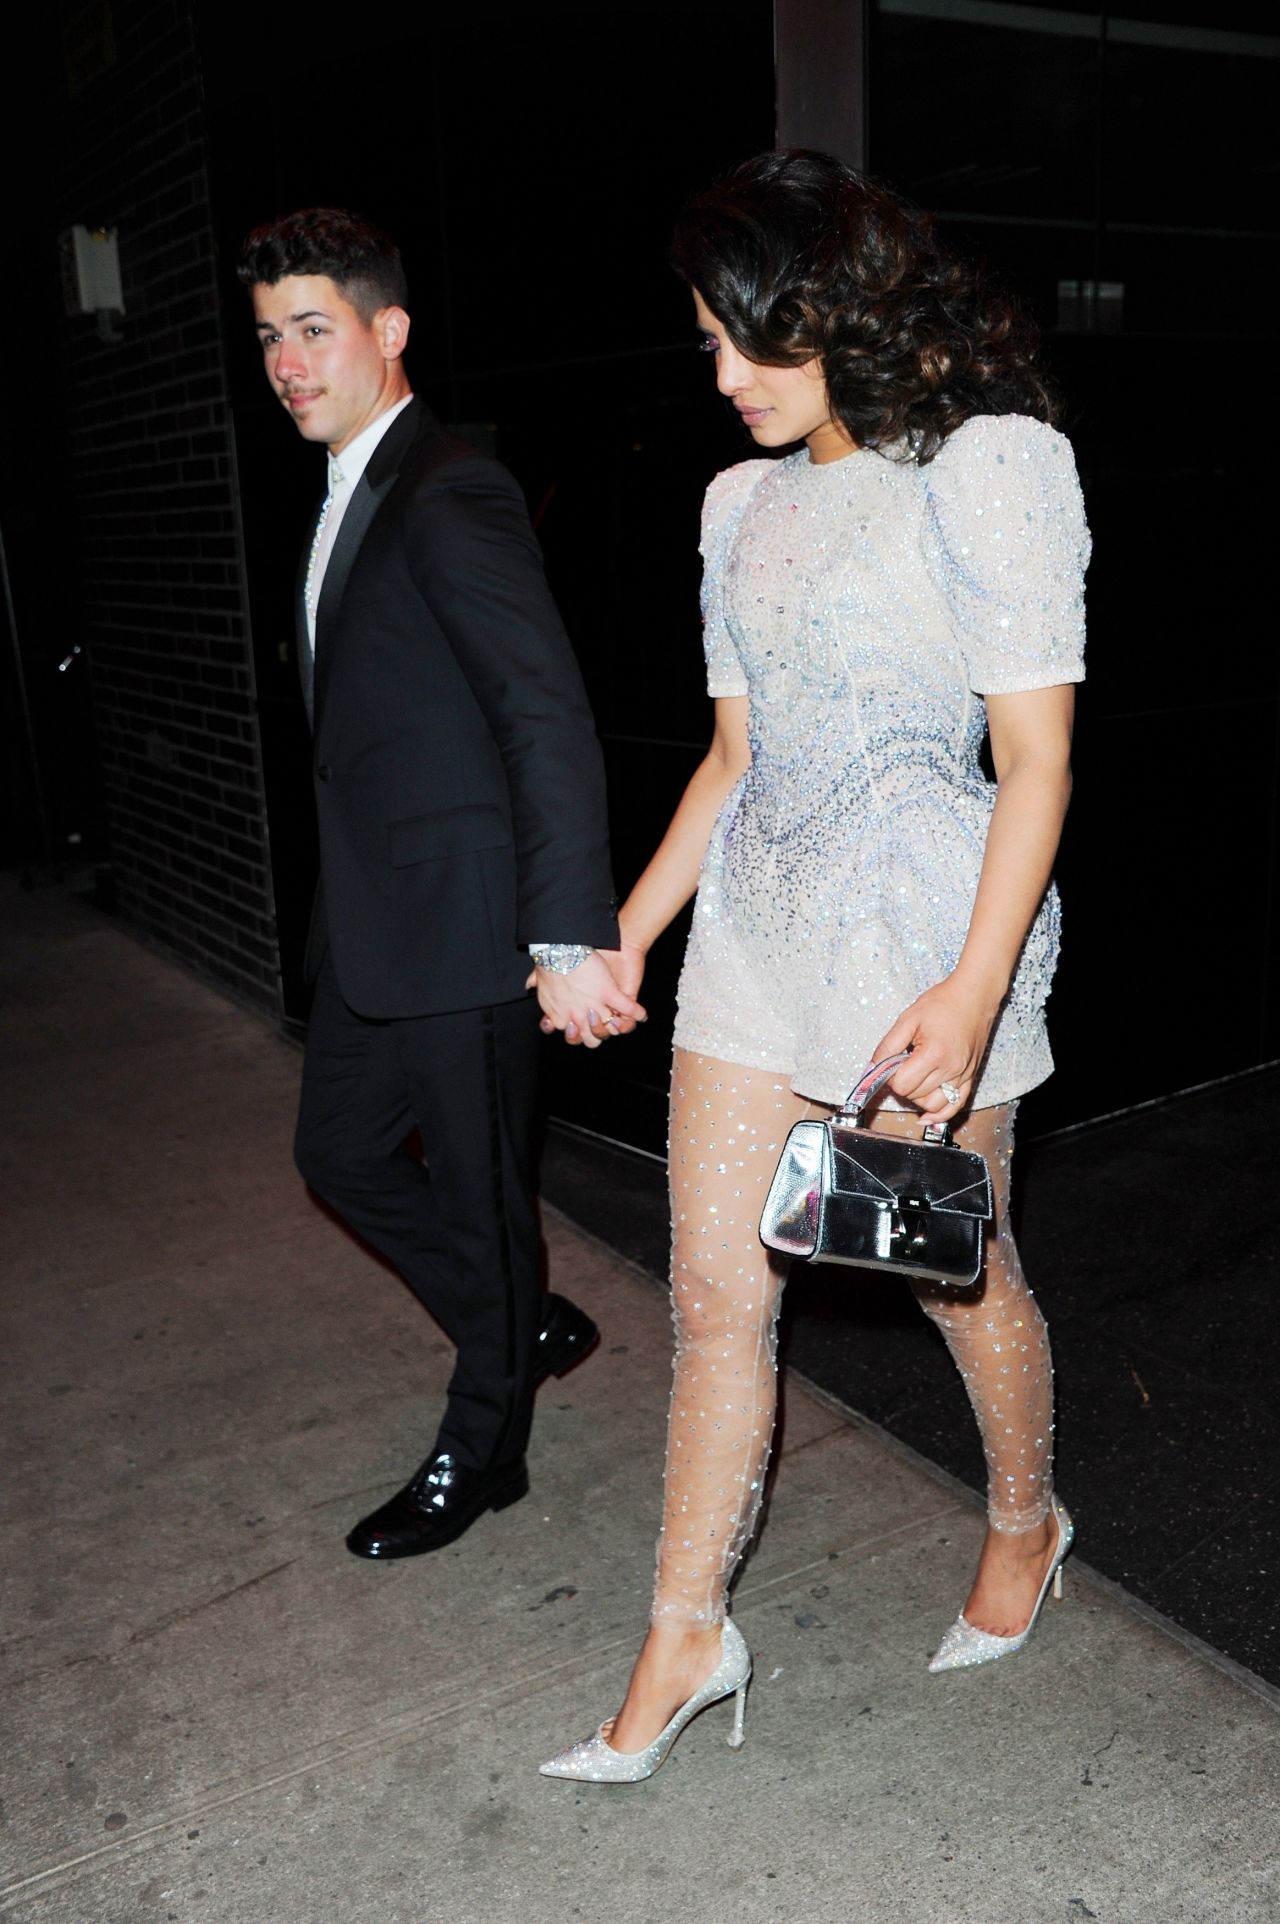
391	326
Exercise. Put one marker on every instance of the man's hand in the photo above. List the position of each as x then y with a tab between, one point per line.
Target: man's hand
587	1005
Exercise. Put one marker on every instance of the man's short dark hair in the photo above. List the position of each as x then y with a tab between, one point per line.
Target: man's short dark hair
361	261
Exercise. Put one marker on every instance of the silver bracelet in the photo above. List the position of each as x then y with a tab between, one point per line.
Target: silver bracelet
560	957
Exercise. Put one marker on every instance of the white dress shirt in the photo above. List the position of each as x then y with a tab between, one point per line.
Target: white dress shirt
345	470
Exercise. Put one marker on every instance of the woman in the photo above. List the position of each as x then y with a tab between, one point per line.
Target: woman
907	581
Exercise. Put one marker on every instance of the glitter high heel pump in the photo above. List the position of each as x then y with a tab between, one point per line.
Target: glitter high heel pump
595	1761
964	1646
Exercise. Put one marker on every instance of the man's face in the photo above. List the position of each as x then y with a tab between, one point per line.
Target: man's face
333	371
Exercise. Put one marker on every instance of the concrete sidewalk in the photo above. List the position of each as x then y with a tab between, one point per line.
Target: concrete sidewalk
213	1713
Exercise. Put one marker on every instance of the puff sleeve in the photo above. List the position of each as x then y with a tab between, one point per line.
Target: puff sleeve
1007	544
722	509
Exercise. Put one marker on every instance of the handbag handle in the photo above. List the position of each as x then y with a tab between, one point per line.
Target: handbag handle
871	1082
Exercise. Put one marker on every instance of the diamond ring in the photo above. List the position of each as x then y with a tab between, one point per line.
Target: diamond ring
950	1091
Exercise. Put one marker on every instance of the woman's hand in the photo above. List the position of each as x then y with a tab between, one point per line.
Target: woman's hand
659	895
626	965
588	1005
947	1030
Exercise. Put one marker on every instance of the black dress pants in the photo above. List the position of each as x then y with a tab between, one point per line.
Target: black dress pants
461	1224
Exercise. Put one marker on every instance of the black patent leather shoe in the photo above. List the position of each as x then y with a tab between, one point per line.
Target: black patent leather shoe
442	1501
566	1336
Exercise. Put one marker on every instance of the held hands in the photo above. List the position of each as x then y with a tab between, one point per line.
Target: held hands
947	1030
594	1001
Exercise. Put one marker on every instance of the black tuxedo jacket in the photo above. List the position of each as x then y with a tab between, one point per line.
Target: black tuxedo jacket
459	782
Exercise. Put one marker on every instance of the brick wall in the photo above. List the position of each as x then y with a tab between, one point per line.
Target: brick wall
153	481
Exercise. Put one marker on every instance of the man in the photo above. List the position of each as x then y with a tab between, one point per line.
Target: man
460	796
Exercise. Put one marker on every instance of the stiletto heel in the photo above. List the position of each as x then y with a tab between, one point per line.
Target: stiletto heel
738	1735
964	1646
595	1761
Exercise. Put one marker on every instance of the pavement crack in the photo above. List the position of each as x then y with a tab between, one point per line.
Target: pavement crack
56	1668
838	1428
1087	1779
208	1603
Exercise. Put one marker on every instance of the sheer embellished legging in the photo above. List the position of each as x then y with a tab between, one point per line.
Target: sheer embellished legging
728	1125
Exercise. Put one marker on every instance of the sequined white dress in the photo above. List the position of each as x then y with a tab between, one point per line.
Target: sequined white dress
866	606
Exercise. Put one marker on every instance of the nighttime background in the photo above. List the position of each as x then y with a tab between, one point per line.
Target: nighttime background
1119	172
530	165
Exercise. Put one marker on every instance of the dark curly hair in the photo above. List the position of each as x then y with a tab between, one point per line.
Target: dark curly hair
799	256
362	262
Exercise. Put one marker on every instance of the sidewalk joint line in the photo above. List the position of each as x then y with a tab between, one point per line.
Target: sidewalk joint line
399	1728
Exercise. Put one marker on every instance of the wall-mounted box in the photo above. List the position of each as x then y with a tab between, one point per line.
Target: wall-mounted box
91	271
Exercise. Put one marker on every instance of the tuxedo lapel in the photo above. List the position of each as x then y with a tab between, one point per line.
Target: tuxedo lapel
367	497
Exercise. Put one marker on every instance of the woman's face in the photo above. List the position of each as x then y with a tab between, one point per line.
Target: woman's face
779	404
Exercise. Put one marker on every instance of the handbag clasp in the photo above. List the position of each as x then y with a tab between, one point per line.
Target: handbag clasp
909	1227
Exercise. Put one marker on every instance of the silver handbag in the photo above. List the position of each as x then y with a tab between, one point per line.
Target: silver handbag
841	1194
